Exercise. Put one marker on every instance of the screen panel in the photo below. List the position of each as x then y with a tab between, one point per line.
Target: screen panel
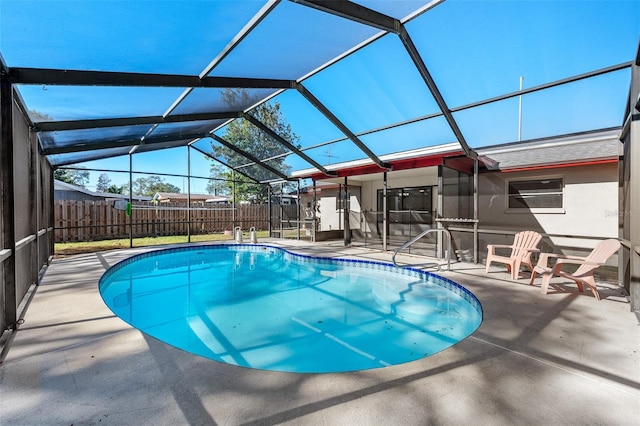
98	137
374	87
290	42
483	48
47	103
594	103
173	37
202	100
82	156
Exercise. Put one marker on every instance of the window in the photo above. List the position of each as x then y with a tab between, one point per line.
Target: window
534	194
408	205
407	199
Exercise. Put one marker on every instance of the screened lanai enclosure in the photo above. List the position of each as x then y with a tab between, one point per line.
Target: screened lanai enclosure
365	121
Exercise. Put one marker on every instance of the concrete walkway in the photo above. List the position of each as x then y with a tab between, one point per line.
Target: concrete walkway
562	358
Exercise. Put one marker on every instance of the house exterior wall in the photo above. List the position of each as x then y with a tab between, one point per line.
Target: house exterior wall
590	205
63	194
365	196
589	208
428	177
331	218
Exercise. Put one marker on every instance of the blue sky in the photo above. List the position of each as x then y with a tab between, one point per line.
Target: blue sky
473	49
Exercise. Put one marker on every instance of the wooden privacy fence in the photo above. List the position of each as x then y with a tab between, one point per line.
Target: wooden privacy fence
100	220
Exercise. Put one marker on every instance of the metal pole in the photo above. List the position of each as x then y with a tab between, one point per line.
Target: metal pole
347	231
7	192
313	206
520	112
281	212
440	207
38	196
433	88
475	210
188	194
269	210
384	211
130	209
340	221
52	215
632	226
233	203
298	209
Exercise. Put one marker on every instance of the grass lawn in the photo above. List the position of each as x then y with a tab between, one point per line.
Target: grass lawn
67	249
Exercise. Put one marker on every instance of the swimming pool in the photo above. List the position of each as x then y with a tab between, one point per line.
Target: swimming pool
263	307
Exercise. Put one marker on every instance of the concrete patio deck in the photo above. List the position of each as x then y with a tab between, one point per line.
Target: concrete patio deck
562	358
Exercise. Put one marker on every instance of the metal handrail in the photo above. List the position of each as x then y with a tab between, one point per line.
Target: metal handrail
413	240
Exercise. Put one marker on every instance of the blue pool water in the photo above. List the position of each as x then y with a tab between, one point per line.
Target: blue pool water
263	307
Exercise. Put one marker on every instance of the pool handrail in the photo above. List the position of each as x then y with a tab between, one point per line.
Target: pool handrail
413	240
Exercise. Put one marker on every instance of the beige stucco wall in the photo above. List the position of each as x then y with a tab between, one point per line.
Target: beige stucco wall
332	218
590	204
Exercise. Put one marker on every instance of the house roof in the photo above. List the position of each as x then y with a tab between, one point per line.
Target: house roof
176	196
599	146
403	160
575	149
64	186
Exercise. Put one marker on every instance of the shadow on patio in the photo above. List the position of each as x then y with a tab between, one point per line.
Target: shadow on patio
536	359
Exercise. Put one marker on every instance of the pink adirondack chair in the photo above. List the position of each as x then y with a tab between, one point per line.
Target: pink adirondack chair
584	274
524	244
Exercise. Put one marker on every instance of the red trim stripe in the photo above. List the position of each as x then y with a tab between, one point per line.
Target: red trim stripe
404	164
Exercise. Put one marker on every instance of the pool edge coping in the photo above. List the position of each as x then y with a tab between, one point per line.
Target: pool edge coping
378	265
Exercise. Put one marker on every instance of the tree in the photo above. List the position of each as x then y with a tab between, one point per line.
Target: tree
38	116
249	138
73	176
218	186
115	189
103	182
150	185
